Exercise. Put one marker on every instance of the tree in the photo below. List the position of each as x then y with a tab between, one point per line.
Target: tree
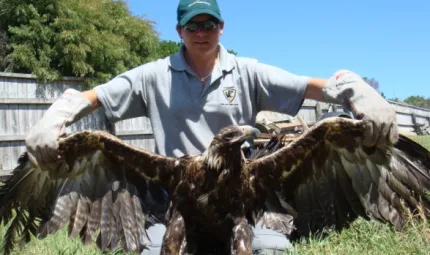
167	48
372	82
93	39
232	52
418	101
3	49
396	99
29	37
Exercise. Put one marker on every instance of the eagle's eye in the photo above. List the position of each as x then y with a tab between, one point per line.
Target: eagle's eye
231	135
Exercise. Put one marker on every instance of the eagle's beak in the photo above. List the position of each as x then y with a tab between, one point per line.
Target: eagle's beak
249	133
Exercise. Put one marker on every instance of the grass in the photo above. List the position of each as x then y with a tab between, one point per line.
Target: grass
58	244
424	140
363	237
368	237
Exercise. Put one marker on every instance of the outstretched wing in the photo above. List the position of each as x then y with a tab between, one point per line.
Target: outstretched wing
105	190
327	178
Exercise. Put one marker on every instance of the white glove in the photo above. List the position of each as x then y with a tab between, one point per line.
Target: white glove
41	142
364	102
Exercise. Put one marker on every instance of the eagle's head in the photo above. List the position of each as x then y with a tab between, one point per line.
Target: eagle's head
225	148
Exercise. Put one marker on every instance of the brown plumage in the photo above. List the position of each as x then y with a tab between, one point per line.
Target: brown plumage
108	191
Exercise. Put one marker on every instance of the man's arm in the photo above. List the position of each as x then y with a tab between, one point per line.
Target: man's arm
92	97
314	89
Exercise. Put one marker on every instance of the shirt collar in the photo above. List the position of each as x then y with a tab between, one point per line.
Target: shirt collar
226	60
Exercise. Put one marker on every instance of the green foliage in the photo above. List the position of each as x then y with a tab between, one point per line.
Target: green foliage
167	48
3	49
418	101
29	35
232	52
396	99
93	39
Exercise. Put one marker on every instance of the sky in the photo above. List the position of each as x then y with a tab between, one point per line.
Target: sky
388	40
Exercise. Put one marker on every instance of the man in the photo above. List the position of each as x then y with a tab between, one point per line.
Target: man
192	94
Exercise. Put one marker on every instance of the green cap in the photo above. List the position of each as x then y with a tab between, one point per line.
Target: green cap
190	8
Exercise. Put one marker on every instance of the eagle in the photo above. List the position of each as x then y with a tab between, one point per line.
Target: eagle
107	192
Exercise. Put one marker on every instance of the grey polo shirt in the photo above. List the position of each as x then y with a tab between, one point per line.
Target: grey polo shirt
185	114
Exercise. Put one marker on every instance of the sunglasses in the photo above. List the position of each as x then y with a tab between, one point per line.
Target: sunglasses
207	25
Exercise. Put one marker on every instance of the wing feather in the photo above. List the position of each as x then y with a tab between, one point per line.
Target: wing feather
142	237
346	195
94	217
115	221
128	221
343	197
99	190
329	178
81	209
106	221
363	186
93	222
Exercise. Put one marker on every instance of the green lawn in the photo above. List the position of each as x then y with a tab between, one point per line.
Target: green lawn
362	237
424	140
58	244
366	237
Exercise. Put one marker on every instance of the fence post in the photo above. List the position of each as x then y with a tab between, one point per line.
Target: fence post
318	111
414	119
333	107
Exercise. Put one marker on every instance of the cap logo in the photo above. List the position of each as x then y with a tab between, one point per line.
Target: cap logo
198	2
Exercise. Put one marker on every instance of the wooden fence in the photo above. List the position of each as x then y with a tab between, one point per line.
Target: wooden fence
23	102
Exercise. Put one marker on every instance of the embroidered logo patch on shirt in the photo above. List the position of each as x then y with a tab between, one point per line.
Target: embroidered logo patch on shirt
229	94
